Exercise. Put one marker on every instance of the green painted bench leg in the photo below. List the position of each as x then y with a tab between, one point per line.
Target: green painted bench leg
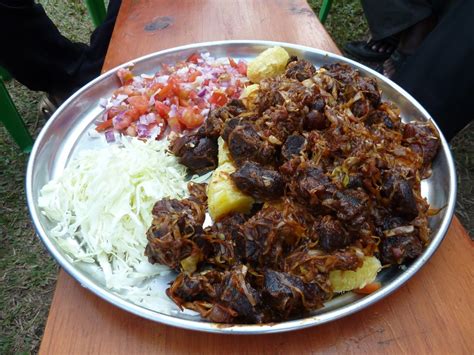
324	11
12	120
96	10
4	74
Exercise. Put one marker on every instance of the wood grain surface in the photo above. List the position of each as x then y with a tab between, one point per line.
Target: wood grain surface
147	26
432	313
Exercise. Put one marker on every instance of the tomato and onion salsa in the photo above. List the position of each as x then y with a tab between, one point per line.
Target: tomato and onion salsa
177	98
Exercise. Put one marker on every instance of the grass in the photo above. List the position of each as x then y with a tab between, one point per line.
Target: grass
27	272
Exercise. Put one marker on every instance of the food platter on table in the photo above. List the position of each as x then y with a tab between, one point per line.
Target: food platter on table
67	133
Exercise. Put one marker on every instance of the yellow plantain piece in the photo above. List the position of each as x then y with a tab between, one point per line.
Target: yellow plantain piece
348	280
269	63
223	197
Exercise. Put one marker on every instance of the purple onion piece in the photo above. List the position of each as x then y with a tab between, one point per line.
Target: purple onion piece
142	131
109	136
202	92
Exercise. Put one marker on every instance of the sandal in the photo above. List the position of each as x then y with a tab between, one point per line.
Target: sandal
363	50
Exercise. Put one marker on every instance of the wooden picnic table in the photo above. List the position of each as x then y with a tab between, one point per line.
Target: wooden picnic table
431	313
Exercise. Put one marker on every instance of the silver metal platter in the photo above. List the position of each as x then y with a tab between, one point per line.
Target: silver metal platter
65	134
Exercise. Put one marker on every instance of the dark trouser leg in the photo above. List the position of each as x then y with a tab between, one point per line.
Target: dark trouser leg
439	74
38	56
389	17
93	61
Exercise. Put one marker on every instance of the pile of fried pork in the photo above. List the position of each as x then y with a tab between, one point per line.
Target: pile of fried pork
336	177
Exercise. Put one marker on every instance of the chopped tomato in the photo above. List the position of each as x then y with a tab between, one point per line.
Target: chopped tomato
125	76
242	67
140	103
133	114
104	125
161	122
115	110
230	91
191	118
369	288
174	124
232	63
183	102
122	121
218	98
183	94
154	88
124	90
193	58
200	102
193	76
189	100
162	109
174	100
192	95
165	92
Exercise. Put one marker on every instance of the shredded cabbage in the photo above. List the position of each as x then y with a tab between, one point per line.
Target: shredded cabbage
102	205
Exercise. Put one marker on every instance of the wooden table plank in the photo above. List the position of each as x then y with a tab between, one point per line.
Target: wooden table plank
147	26
433	312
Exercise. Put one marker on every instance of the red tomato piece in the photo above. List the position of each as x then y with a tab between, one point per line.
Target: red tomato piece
191	118
193	58
230	91
162	109
242	67
133	113
115	110
125	76
166	91
174	124
140	103
122	121
104	125
183	94
218	98
232	63
183	102
193	76
200	102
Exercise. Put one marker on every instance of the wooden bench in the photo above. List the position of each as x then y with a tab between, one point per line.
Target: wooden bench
432	313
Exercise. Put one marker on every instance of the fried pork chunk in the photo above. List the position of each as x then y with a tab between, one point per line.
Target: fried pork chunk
334	178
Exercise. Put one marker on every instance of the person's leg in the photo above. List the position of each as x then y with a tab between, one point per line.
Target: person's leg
34	51
410	40
94	57
390	17
387	20
38	56
439	73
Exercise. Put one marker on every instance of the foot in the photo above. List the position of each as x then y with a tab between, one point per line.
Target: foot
410	41
394	63
382	46
372	50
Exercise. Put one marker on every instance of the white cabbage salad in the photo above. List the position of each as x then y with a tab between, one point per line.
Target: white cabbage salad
102	205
